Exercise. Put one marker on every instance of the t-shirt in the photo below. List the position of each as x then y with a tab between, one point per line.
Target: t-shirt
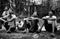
38	2
5	13
20	24
50	20
46	17
13	16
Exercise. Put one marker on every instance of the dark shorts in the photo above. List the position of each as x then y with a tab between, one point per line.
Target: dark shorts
6	26
1	22
49	27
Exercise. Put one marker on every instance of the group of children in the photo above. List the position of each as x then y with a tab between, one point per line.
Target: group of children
9	16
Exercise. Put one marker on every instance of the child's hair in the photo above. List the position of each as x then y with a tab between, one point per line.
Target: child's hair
50	13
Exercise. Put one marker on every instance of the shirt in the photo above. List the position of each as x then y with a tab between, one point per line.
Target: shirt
20	24
54	17
38	2
50	20
5	13
13	16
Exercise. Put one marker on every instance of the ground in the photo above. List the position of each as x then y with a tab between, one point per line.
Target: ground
19	35
42	35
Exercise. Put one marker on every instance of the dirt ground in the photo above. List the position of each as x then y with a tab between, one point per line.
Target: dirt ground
19	35
42	35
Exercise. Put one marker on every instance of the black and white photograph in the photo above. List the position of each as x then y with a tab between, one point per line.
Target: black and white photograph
29	19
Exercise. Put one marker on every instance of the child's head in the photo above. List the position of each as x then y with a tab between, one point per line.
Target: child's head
50	13
6	8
